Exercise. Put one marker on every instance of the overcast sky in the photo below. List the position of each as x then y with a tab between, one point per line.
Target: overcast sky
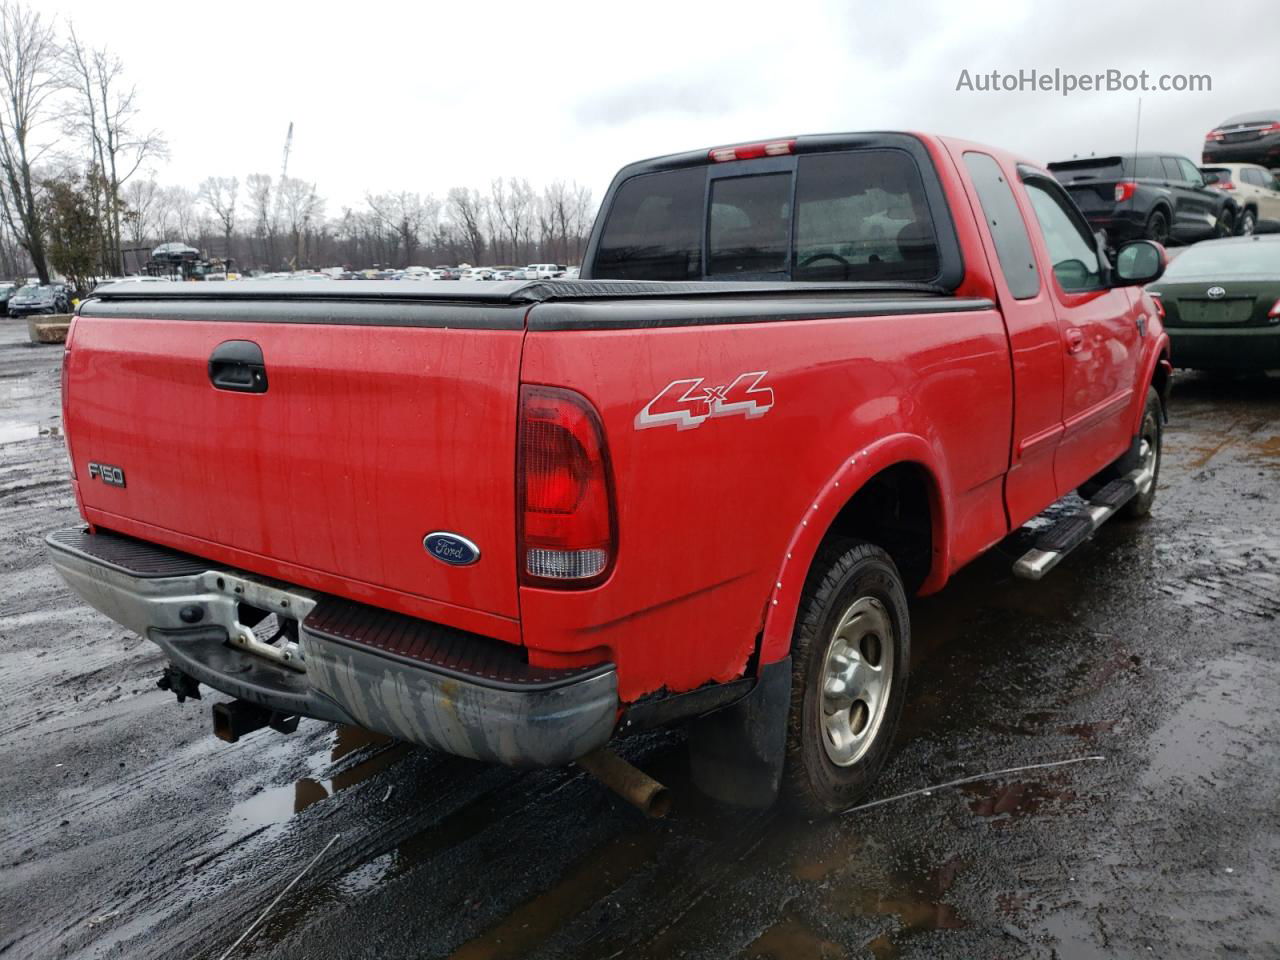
424	96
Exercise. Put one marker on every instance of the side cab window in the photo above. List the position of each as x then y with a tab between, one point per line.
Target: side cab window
1072	249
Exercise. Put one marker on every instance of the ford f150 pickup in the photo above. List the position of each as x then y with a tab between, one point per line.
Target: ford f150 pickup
799	382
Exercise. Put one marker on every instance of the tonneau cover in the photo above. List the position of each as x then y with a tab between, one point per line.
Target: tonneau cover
494	292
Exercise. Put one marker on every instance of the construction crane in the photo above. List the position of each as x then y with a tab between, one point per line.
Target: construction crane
284	175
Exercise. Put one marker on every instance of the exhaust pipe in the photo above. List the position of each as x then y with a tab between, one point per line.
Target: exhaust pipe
630	783
233	720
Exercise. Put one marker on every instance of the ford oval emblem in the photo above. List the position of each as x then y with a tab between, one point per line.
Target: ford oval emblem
1216	293
451	549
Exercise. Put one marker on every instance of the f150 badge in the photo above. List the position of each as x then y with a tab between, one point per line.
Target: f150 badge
690	403
111	476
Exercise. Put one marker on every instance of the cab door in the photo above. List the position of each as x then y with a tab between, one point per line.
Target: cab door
1031	324
1099	336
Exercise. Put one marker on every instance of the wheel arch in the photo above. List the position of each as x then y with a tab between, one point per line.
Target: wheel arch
1158	373
878	494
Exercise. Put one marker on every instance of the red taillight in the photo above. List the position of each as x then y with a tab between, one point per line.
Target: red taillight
753	151
1214	135
1271	128
1159	305
1225	185
1274	312
1124	190
567	527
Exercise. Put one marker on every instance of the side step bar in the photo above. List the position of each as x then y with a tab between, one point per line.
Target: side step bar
1068	533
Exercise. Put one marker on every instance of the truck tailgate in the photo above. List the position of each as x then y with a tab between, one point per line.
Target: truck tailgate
367	438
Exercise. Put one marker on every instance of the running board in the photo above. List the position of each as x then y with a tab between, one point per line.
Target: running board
1057	541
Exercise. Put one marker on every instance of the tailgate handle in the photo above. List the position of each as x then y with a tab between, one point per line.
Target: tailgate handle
238	365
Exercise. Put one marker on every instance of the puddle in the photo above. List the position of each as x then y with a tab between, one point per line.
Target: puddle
1198	740
1006	802
595	876
275	804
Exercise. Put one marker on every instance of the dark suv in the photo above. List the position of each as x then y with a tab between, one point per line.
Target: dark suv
1246	138
1159	196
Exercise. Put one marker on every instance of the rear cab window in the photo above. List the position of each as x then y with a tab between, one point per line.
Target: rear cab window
860	215
750	225
1004	220
655	228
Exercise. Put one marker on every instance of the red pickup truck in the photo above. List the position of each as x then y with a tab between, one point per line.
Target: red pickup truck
799	382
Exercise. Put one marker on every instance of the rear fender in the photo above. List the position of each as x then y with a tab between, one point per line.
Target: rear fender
855	471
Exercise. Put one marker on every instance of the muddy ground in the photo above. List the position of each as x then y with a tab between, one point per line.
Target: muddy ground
129	831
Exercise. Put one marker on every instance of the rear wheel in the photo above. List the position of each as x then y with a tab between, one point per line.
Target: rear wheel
849	673
1157	227
1225	226
1248	223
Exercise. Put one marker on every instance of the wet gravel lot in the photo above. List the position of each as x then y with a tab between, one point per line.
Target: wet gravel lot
129	831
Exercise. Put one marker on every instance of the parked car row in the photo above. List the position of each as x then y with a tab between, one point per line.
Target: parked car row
1162	196
535	271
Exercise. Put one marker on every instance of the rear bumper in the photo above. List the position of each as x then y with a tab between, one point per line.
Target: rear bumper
1119	226
1225	348
1264	151
419	682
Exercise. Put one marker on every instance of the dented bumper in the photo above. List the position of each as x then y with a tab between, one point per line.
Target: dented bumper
412	680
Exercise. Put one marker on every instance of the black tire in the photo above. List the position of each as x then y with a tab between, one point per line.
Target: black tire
1248	223
1157	227
849	578
1150	436
1225	225
1151	426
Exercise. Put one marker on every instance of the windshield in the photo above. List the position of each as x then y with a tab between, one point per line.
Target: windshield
1227	260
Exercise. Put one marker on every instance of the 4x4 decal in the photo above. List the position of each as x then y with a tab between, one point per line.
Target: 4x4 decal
687	403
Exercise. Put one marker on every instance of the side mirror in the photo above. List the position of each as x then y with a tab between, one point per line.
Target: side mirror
1140	262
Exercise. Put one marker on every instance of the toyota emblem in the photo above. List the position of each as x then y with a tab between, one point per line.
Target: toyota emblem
1216	293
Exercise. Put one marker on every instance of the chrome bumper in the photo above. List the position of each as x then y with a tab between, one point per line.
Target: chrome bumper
531	723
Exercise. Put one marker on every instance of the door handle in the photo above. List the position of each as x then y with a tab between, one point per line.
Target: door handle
1075	340
238	365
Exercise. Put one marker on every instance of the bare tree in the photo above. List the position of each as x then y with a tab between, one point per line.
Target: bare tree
261	205
406	215
578	221
106	116
466	210
219	195
512	202
175	215
139	199
302	207
30	77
